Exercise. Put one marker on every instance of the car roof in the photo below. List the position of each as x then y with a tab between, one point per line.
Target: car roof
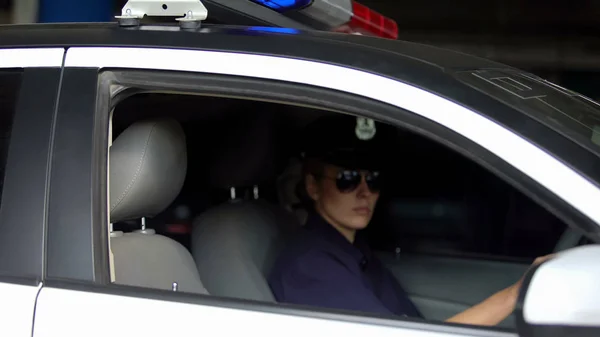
78	34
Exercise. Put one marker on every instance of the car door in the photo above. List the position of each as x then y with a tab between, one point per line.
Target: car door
29	80
78	294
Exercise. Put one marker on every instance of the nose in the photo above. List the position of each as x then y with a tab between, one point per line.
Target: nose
363	188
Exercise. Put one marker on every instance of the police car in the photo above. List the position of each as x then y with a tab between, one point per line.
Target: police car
149	175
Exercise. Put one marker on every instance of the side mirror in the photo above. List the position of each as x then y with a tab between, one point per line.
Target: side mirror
561	297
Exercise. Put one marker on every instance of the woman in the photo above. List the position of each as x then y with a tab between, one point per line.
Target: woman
327	265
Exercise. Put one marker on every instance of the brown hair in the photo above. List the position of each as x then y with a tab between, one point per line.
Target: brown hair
315	168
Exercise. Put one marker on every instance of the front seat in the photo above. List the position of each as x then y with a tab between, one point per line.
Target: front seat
236	243
148	164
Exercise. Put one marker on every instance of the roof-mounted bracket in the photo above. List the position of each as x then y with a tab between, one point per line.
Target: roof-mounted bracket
189	13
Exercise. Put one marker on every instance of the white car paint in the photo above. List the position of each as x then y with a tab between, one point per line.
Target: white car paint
69	313
17	304
31	57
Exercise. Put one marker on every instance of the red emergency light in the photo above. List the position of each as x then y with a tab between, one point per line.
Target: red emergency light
368	21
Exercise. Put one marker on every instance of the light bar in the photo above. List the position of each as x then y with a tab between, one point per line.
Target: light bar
344	16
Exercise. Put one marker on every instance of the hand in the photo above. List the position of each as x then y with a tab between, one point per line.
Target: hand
495	308
542	259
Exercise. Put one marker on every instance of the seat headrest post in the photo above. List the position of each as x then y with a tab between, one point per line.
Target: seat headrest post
144	230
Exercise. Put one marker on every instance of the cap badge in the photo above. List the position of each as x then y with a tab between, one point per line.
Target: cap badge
365	128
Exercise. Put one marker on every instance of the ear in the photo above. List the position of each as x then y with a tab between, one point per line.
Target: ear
312	187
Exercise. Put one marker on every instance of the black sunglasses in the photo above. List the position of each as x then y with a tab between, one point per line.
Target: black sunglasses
347	181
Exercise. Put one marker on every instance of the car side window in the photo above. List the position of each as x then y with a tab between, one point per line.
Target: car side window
9	90
459	209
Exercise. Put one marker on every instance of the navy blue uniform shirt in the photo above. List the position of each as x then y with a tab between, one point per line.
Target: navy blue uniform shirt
322	268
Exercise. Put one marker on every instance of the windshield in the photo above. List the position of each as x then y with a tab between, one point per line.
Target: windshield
568	112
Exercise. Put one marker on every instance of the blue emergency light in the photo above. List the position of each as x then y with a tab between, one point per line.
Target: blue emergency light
284	5
280	30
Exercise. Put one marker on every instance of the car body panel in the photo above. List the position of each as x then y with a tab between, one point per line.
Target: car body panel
17	307
138	316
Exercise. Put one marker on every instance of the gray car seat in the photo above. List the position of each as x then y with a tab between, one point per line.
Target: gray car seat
148	164
235	244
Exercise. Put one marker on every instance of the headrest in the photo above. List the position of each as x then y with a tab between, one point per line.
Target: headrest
347	141
246	153
287	184
148	164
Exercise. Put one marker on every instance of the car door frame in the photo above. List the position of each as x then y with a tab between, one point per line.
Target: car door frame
288	69
81	278
25	192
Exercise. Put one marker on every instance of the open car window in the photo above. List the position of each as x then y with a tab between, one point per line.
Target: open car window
440	210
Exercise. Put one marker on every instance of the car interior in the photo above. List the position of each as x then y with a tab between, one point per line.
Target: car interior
202	202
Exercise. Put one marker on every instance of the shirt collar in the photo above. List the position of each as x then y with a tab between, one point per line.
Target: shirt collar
359	250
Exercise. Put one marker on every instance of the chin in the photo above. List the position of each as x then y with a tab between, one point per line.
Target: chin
359	222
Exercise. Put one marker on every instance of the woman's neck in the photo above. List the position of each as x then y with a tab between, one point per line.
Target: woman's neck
348	233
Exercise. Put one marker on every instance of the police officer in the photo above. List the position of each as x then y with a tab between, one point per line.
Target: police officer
328	265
